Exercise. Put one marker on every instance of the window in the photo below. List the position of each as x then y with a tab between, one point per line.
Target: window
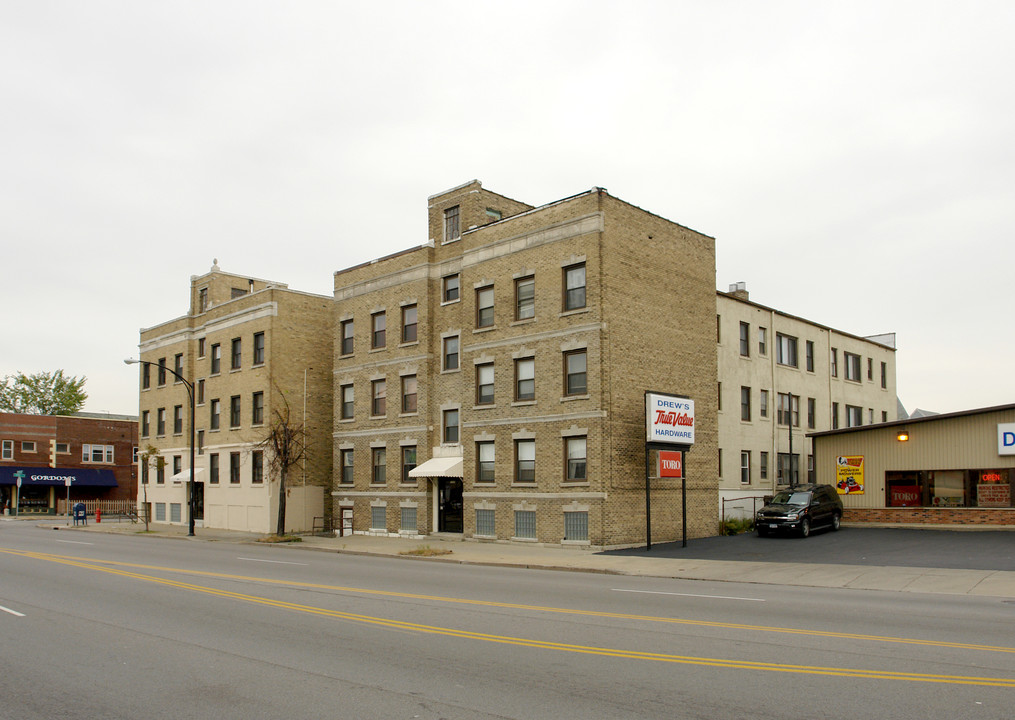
450	289
257	408
870	416
408	520
380	466
810	469
762	341
574	287
525	461
452	229
378	332
745	339
178	367
745	403
378	397
160	474
525	524
835	416
854	416
785	350
146	376
485	523
258	348
97	453
178	420
214	414
852	363
451	426
884	376
257	467
575	449
718	396
484	384
346	328
8	450
236	361
484	307
809	351
525	379
234	411
408	463
216	359
718	328
378	517
575	374
763	465
451	353
162	372
145	421
144	474
202	299
200	392
62	447
870	368
789	469
494	215
835	362
347	400
884	416
763	403
409	323
811	413
485	461
789	409
27	446
408	393
745	467
720	463
160	422
200	442
525	298
234	468
200	347
177	466
576	526
347	460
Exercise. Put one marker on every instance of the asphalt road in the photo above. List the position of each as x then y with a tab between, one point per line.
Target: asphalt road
902	547
128	626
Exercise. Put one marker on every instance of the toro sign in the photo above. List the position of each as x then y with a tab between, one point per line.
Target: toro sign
669	419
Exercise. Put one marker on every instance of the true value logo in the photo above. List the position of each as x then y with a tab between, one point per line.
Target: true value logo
1006	438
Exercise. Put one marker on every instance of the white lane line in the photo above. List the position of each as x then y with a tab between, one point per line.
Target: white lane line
12	612
75	542
276	562
711	597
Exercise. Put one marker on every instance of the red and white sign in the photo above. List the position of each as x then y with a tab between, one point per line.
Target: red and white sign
670	464
669	419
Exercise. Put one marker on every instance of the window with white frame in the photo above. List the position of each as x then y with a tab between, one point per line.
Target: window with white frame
785	350
451	426
745	403
484	307
484	384
7	453
576	450
450	353
451	288
485	461
525	379
854	416
745	339
525	461
574	287
410	323
525	298
97	453
852	361
745	467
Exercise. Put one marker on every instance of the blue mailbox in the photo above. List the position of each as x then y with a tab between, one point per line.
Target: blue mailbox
79	514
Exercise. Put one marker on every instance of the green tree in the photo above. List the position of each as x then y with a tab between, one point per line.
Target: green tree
42	393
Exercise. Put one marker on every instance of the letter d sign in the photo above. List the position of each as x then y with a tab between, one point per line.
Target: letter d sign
1006	439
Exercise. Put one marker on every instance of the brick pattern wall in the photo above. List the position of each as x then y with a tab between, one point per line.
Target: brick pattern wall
931	516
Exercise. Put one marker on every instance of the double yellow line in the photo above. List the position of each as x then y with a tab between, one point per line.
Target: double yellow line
117	568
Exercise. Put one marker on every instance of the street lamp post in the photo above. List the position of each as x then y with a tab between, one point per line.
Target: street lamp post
192	499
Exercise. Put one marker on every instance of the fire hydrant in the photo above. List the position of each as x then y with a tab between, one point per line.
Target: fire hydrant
98	515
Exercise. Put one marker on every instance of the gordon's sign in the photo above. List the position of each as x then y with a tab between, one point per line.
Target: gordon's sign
669	419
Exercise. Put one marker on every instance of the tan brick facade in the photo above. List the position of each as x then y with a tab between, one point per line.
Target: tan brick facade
571	292
282	344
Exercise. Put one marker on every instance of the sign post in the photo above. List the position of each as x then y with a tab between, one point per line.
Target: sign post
669	428
67	481
17	497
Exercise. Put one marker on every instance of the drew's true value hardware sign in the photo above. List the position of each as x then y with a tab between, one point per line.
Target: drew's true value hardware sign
669	419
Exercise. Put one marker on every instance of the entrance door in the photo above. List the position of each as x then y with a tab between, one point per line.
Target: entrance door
449	505
198	501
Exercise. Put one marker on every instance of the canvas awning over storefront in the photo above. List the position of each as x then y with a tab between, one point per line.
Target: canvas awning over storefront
439	467
80	477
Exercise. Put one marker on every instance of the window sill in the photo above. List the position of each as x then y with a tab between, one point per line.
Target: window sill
517	484
377	349
408	343
234	370
522	321
575	483
487	328
572	398
450	302
414	413
451	371
485	406
378	417
523	403
576	311
521	539
347	420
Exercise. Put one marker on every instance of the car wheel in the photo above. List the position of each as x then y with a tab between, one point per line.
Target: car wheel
836	520
805	527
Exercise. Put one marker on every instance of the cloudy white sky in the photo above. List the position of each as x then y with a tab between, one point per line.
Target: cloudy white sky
854	161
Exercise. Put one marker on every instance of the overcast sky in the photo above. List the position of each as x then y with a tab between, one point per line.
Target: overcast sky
854	161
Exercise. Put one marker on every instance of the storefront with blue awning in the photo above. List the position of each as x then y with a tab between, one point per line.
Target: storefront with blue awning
36	489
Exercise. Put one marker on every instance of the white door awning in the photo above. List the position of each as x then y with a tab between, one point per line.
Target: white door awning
185	475
439	467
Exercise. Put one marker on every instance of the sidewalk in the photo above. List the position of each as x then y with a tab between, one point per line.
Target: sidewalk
984	583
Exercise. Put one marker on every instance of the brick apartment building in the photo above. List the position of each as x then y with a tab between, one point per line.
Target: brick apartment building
95	452
249	346
492	382
781	377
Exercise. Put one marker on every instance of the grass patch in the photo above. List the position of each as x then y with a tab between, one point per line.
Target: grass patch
425	551
280	539
735	526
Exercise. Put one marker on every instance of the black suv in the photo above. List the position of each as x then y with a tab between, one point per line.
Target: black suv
799	509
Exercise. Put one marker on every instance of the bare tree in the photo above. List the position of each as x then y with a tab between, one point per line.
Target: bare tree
285	449
151	453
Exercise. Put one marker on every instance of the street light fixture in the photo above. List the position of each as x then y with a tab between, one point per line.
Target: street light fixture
192	498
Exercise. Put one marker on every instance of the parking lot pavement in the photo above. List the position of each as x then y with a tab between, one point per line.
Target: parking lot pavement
853	545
